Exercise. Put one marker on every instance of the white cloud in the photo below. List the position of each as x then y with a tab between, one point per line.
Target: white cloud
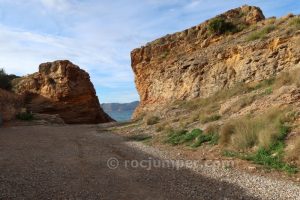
59	5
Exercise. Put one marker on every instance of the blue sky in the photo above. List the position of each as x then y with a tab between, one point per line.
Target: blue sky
98	35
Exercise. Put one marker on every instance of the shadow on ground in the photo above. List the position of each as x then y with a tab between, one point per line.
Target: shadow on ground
70	162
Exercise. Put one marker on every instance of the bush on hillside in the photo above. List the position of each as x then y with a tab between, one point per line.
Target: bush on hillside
220	26
5	80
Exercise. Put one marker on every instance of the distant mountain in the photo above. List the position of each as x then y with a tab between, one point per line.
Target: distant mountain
120	111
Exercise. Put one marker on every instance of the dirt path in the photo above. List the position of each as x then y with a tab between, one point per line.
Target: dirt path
70	162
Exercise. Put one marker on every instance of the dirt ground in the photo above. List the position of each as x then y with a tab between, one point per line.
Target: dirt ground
70	162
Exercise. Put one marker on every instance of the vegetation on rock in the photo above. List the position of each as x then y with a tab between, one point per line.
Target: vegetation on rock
220	26
261	34
5	80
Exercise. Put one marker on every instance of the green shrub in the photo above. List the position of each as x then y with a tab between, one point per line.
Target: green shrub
220	26
211	138
271	158
25	116
261	34
152	120
194	139
176	137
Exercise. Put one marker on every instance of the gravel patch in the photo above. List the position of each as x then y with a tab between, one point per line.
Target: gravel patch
254	185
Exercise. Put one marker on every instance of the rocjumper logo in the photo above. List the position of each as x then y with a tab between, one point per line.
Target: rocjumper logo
151	163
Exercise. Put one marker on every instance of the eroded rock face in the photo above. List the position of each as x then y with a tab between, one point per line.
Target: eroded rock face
195	63
62	88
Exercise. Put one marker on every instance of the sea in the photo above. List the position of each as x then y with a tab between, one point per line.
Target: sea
120	116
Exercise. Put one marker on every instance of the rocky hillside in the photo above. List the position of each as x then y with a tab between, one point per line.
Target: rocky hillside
228	88
61	88
239	46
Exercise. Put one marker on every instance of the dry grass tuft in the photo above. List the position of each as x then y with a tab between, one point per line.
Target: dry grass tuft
294	154
209	118
247	132
295	22
242	103
226	131
288	78
212	128
152	120
261	34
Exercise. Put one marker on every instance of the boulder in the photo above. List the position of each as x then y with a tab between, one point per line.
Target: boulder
62	88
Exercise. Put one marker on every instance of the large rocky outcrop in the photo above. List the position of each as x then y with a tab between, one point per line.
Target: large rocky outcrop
196	63
62	88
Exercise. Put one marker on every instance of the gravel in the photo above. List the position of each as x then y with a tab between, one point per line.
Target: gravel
71	162
254	185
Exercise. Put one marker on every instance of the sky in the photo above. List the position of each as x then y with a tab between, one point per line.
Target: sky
98	35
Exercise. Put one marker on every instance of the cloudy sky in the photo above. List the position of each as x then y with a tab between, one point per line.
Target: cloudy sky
98	35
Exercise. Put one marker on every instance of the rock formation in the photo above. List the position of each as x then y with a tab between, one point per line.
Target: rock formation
62	88
197	63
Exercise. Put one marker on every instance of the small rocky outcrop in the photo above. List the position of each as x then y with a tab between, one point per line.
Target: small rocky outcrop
62	88
197	63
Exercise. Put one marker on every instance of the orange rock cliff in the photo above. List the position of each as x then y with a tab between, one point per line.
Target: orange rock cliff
197	63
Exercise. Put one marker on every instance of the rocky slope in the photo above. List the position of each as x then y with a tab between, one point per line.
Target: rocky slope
62	88
197	63
228	88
